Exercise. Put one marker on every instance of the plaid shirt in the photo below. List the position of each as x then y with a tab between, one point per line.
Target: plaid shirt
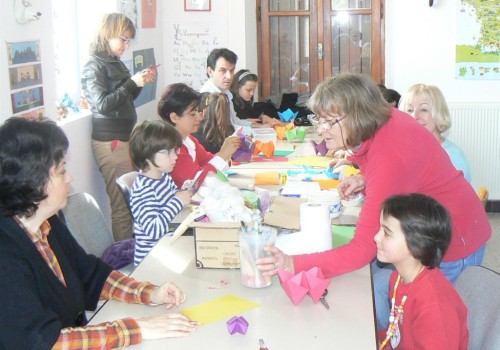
108	335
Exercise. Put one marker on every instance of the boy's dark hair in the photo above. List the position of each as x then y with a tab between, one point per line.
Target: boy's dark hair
177	98
149	137
392	96
215	54
28	151
425	223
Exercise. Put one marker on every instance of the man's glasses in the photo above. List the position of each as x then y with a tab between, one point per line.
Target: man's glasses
126	40
169	152
328	124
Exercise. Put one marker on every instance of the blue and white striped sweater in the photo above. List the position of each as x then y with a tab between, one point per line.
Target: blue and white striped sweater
153	205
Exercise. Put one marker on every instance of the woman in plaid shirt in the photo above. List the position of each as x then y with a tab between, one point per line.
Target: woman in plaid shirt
48	281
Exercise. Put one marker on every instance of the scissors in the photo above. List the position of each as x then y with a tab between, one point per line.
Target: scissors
262	345
323	300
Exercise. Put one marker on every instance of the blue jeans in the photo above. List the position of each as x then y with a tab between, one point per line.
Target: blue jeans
381	276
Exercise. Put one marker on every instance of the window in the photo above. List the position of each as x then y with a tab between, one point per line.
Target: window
75	23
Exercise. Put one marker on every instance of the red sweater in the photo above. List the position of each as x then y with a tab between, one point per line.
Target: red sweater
434	315
186	168
404	157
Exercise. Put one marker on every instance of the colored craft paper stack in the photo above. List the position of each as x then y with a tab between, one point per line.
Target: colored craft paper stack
237	324
309	282
320	148
244	153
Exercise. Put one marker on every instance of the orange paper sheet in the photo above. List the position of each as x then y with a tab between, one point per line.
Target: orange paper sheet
327	184
218	309
269	178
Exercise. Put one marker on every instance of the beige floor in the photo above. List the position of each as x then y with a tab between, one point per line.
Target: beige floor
492	256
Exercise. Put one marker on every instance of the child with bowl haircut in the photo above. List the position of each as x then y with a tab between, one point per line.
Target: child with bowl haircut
155	200
426	311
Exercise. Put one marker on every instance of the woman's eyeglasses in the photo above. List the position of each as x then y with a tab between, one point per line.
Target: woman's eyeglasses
126	40
328	124
169	152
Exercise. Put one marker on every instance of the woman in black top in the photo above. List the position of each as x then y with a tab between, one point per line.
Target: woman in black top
111	91
243	89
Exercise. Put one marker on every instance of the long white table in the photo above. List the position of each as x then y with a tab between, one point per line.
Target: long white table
349	324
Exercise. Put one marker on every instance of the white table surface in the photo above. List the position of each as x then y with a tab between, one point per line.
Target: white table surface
349	324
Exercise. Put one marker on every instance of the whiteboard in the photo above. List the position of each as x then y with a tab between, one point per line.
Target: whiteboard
188	45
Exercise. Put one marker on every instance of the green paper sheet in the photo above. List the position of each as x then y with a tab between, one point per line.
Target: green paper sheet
280	153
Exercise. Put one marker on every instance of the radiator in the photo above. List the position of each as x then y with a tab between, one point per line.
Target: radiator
475	128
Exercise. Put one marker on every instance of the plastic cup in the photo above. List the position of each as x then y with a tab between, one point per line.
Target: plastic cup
252	248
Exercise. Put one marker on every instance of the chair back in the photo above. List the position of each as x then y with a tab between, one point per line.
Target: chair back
125	183
86	223
479	288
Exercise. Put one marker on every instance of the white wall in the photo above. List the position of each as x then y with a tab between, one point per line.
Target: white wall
419	48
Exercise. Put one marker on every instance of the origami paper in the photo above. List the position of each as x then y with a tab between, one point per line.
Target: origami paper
299	133
282	129
265	147
320	148
310	282
327	184
244	153
331	174
217	309
222	176
315	161
287	115
237	324
350	170
272	159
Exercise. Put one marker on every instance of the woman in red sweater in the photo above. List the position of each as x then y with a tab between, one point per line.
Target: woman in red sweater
396	155
179	106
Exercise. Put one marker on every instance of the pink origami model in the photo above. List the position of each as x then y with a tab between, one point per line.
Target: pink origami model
237	324
309	282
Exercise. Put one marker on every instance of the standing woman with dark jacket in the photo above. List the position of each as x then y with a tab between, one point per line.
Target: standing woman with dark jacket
110	91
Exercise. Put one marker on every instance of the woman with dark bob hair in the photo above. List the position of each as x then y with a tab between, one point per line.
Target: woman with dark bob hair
48	281
396	155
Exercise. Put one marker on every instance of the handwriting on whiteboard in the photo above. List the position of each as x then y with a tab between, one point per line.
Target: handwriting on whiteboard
192	42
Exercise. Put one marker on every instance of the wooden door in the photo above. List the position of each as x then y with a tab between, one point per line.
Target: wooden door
300	42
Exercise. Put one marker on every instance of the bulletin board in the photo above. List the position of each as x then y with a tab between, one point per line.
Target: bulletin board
190	44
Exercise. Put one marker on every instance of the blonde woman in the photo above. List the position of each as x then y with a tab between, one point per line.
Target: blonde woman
427	105
110	91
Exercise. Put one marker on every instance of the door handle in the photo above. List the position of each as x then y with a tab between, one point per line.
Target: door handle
319	49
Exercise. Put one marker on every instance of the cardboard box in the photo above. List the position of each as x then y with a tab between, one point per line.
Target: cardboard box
217	245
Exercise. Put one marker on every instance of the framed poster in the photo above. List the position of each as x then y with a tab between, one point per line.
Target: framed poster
197	5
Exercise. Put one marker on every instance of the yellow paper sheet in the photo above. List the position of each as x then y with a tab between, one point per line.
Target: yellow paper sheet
217	309
315	161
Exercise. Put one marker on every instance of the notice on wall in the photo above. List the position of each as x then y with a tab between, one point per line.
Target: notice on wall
191	42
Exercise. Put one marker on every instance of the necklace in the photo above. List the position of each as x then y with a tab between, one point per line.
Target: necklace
396	312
